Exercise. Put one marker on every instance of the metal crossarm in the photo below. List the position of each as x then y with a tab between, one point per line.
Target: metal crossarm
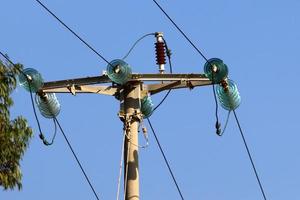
88	84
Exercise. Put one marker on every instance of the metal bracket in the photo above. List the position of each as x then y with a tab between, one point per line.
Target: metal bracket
73	89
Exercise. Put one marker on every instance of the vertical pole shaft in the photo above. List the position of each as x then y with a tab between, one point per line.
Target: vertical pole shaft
132	119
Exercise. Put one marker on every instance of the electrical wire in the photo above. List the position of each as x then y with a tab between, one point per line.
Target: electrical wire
136	42
72	31
165	158
55	122
41	135
137	145
226	123
168	51
76	158
180	30
127	163
198	50
217	125
249	155
162	101
121	165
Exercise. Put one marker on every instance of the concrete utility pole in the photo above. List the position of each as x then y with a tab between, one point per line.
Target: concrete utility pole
130	95
131	121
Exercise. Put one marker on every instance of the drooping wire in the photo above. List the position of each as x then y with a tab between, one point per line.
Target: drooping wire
226	123
41	135
165	158
136	42
73	32
121	165
144	146
55	122
217	125
249	155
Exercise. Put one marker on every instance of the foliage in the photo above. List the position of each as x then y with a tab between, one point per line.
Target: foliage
14	134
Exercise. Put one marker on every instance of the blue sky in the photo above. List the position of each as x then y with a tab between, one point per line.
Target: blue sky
259	42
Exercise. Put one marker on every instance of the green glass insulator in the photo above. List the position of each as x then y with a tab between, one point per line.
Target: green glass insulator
119	71
48	105
229	99
147	106
31	80
215	70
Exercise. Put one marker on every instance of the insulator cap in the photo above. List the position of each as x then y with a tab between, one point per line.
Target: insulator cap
119	71
215	70
48	105
229	97
34	77
147	106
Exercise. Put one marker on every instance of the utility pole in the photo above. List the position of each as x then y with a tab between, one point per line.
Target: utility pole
129	95
131	119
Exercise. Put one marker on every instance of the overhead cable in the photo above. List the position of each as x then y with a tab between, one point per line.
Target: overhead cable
121	165
41	135
76	158
55	122
165	159
180	30
72	31
135	43
249	155
217	124
168	52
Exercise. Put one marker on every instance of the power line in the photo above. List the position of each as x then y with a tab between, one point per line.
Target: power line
73	32
165	158
55	122
225	126
249	154
217	124
127	162
121	165
135	43
41	135
180	30
168	52
163	99
77	160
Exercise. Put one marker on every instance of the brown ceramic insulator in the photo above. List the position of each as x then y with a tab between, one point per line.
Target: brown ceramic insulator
160	53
